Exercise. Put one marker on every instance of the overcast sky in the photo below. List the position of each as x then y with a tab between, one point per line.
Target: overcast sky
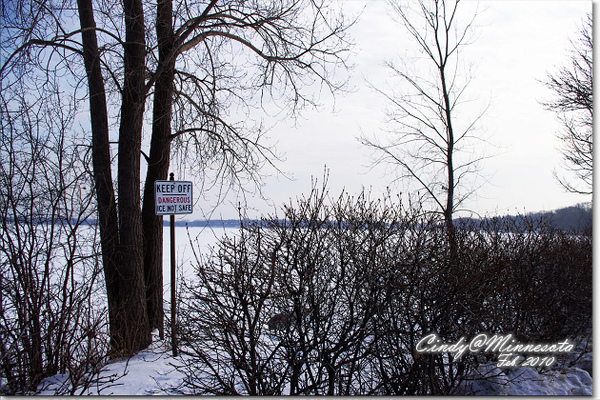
518	44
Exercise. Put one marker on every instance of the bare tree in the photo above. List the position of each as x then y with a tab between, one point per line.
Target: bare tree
574	105
237	55
205	58
427	139
287	306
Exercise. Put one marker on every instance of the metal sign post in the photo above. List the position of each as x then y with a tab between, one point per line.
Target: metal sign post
173	295
173	197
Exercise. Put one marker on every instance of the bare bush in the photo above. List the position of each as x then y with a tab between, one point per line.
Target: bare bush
332	298
50	322
535	280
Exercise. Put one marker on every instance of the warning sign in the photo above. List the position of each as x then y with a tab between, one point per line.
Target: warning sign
173	197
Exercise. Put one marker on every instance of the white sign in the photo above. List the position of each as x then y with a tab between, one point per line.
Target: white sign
173	197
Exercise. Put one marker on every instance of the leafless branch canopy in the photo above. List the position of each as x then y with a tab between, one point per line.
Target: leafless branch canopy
429	141
207	66
574	104
231	58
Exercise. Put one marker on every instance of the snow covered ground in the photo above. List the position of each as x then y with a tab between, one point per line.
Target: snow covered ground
150	372
153	372
527	381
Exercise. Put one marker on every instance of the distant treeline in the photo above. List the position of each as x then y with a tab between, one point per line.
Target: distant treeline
215	223
43	220
576	218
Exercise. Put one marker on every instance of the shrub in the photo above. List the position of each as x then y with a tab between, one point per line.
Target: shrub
332	298
49	261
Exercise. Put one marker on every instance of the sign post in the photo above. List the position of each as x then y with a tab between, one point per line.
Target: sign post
173	197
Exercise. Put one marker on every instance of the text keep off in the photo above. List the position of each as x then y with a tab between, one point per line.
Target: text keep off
173	197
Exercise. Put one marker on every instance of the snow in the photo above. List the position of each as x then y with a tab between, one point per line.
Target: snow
150	372
570	376
528	382
154	372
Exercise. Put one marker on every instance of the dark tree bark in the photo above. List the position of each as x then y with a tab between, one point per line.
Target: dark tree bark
107	209
158	165
135	332
450	141
121	239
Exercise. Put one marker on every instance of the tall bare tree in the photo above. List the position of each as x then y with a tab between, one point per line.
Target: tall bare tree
426	136
204	58
243	54
573	86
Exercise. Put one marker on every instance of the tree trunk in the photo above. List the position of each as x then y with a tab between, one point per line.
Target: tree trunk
449	165
105	196
158	165
134	330
120	233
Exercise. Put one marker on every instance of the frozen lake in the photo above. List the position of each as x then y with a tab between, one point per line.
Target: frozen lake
202	238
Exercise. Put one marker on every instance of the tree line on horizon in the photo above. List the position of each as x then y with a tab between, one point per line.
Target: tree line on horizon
577	218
